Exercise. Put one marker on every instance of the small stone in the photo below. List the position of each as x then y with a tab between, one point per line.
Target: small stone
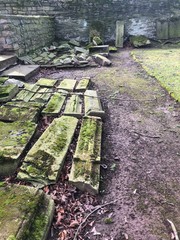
74	43
14	81
139	41
81	50
67	61
101	60
97	41
64	48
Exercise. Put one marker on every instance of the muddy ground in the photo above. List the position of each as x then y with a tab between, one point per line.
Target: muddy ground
140	149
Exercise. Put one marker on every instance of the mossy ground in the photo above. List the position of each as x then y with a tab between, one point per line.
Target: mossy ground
164	65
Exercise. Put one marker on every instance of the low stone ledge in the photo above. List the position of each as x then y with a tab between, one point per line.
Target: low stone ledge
14	138
89	141
55	104
45	160
26	213
85	176
67	84
92	104
74	106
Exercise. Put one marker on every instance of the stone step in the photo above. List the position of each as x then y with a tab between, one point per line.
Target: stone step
92	104
85	176
82	85
67	84
7	92
14	138
23	72
74	106
27	93
55	104
26	213
89	141
7	61
45	82
44	161
10	113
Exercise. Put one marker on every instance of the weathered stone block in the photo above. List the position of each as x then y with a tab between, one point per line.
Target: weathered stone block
45	82
99	49
10	113
89	141
67	84
74	106
42	95
101	60
14	138
45	160
27	93
92	104
85	176
7	92
83	85
26	213
55	104
23	72
7	61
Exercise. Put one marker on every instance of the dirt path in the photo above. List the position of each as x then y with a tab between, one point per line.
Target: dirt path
140	149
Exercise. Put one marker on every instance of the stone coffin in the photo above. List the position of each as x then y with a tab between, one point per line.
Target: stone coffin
73	106
26	213
55	104
85	172
92	104
44	161
14	138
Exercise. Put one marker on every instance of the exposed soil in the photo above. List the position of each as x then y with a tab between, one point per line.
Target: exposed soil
141	150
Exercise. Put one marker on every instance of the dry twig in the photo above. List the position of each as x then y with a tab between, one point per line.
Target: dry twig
174	229
95	210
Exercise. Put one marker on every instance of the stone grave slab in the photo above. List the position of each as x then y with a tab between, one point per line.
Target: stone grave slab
74	106
42	95
89	141
92	103
85	176
22	71
55	104
22	104
7	92
26	213
44	161
10	113
67	84
82	85
99	49
6	61
45	82
119	34
27	93
14	138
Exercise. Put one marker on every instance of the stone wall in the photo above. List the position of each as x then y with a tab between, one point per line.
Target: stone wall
23	34
76	18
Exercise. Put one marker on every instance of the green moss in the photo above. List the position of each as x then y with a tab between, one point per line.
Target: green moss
12	237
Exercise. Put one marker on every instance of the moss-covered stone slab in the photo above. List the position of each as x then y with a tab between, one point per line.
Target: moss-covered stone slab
89	141
22	104
67	84
14	138
24	72
43	95
27	93
6	61
7	92
55	104
74	106
45	82
44	161
92	103
83	85
15	113
25	213
85	176
3	80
